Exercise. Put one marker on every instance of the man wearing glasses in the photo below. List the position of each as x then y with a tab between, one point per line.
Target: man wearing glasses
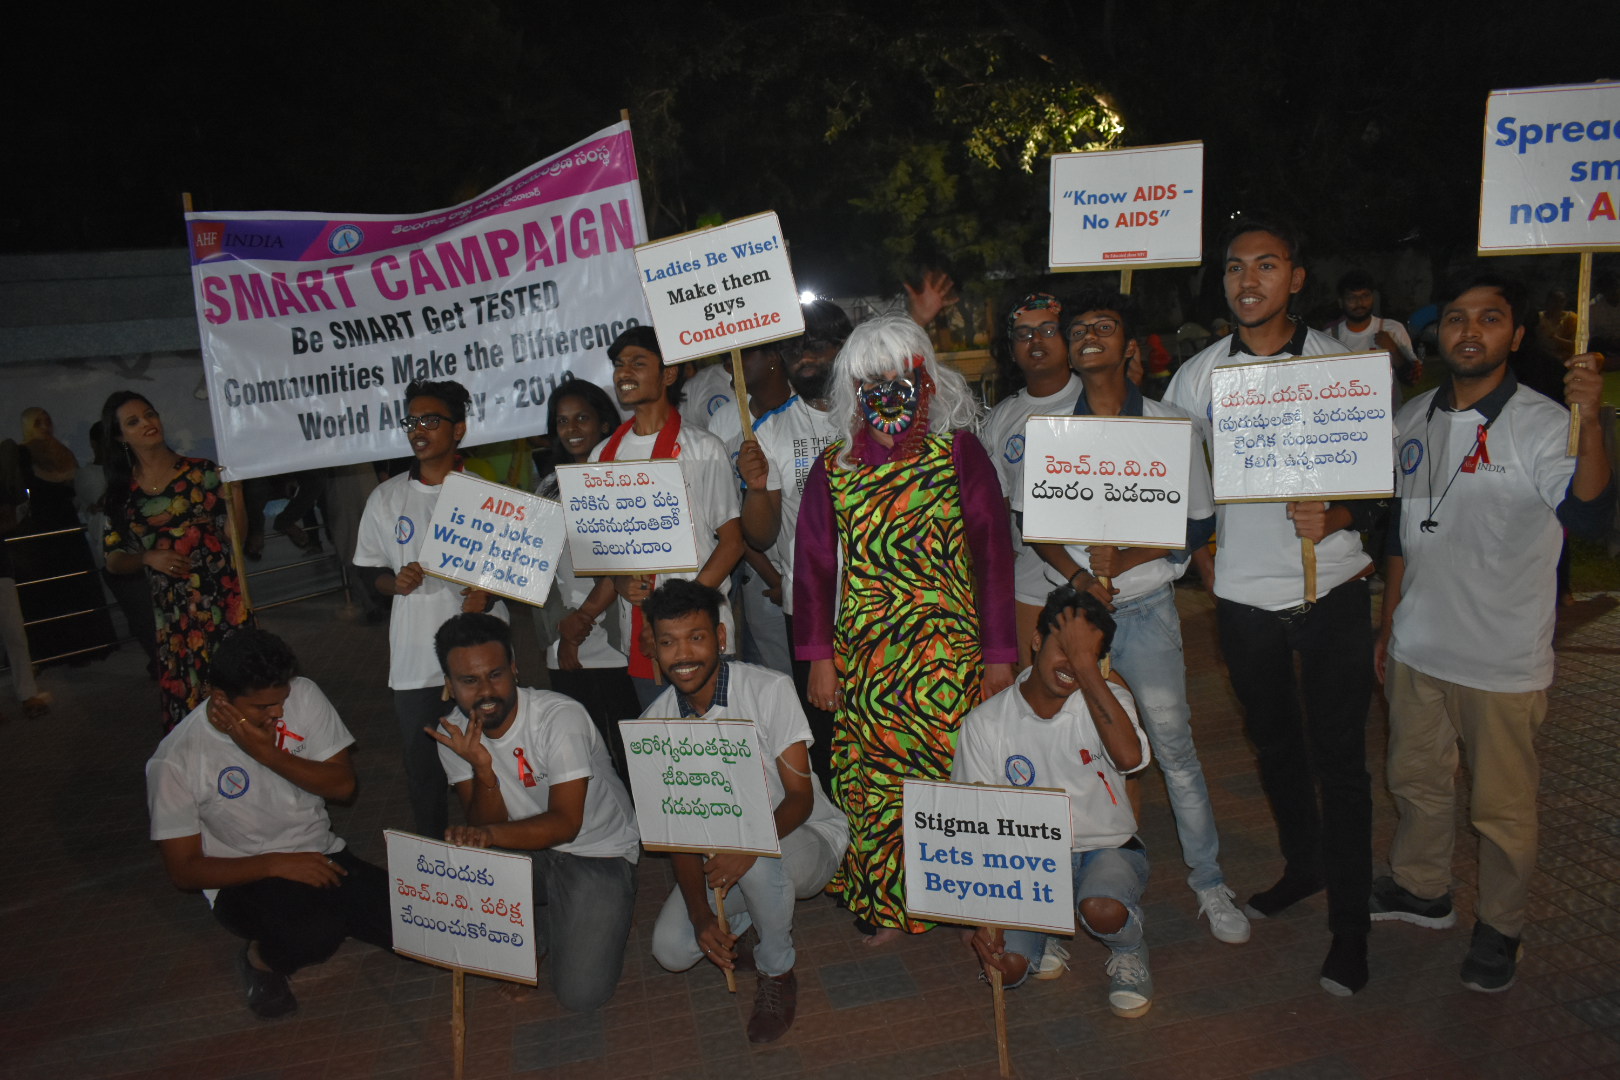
392	529
1140	591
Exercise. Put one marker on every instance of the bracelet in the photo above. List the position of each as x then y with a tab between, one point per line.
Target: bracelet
1076	574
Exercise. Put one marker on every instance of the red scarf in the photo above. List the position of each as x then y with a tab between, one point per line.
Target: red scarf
664	449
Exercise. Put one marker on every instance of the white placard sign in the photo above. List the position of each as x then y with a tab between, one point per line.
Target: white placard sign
1552	170
494	538
988	856
460	907
699	785
630	517
729	287
1117	480
1309	428
1138	207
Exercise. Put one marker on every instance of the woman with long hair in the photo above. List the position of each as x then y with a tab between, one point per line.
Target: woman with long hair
902	594
594	670
166	518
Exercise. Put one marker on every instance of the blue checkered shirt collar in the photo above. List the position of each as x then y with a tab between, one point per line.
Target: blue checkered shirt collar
722	683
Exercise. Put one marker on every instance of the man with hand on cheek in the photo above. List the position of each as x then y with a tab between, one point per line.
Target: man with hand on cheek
237	793
534	777
689	641
1064	725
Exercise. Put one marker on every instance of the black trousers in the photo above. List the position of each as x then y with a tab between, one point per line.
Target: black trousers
297	925
1322	747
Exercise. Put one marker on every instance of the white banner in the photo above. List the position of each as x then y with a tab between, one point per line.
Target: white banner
494	538
1310	428
313	324
1552	170
713	290
1115	480
988	856
631	517
461	907
1117	208
699	785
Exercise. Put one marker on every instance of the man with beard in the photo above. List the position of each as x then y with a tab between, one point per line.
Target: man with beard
1265	620
690	641
787	441
650	389
392	530
1147	648
535	777
1466	644
1361	331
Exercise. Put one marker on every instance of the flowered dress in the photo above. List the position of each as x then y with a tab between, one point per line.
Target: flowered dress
193	613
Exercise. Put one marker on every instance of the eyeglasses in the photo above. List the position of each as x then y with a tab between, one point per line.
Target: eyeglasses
427	421
889	394
1102	328
1030	333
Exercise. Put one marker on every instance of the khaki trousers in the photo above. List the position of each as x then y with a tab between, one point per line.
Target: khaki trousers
1426	718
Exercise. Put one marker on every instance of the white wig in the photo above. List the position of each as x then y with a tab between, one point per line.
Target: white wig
882	348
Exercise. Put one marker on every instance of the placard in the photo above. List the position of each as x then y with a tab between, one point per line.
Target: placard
1113	209
462	907
988	856
630	517
699	785
314	324
713	290
1116	480
1308	428
1551	176
494	538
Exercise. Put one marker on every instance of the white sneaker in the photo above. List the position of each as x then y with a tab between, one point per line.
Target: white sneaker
1226	922
1054	961
1130	985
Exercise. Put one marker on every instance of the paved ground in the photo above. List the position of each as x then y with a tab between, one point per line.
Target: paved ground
106	970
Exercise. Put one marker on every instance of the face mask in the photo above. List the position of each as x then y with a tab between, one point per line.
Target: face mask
891	405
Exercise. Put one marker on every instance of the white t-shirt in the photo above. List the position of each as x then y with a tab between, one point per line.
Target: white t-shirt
199	782
1155	574
793	437
1365	339
399	513
1004	742
595	652
710	485
1479	595
1002	433
1258	560
554	736
768	699
707	398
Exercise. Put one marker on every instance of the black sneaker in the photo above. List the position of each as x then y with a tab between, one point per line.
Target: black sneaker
1288	891
1390	901
269	995
1492	961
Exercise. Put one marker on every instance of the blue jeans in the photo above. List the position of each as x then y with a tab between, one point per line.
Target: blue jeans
1111	873
586	905
1147	652
762	898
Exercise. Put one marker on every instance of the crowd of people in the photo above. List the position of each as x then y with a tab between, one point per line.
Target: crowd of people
875	513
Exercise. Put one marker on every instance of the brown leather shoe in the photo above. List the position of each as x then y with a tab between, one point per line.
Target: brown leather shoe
775	1001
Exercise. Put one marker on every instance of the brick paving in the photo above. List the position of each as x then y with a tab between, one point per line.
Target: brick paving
107	971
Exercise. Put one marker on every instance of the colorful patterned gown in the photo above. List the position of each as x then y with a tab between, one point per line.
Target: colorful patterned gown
193	613
907	641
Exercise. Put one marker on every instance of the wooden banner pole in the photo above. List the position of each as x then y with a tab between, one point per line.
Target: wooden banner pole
1583	331
1307	552
458	1019
234	523
1125	276
725	928
741	386
999	995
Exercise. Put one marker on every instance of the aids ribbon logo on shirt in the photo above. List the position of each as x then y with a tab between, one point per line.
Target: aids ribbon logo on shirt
1015	449
1411	456
233	781
1020	771
404	529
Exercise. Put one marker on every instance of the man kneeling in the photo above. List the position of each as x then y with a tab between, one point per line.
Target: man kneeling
759	892
534	776
237	793
1040	733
